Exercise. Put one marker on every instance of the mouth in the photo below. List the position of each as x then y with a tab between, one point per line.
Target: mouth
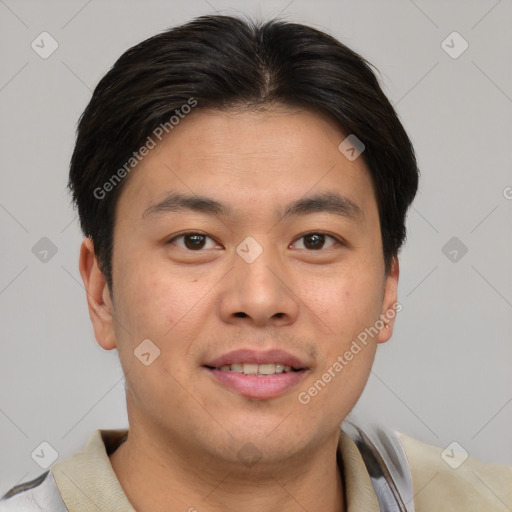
254	374
260	370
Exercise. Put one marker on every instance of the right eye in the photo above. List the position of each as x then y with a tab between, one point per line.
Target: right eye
193	241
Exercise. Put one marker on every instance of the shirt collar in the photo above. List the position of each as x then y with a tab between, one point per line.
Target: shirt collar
87	481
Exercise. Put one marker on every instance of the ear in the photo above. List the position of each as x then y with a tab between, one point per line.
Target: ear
98	296
389	302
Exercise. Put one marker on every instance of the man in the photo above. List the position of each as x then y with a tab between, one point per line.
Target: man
243	191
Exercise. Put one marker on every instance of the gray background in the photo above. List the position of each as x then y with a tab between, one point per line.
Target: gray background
445	375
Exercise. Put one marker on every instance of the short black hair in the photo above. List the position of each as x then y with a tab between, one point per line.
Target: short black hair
225	62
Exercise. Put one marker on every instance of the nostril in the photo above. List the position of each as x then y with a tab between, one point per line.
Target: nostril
240	314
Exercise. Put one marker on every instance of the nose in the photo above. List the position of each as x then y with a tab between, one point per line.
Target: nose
258	293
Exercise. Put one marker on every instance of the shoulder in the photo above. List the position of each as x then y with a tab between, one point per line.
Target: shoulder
424	478
40	494
451	480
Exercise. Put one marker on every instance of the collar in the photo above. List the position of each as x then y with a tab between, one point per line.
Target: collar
87	481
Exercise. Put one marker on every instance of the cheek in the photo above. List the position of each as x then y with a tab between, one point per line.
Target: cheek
154	297
163	307
346	302
337	386
348	385
167	307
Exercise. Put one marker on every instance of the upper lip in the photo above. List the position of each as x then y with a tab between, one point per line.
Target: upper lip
257	357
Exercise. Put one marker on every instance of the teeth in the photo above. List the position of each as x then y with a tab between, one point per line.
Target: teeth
256	369
250	369
267	369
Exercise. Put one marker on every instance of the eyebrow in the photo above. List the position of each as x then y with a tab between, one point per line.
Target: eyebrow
325	202
176	202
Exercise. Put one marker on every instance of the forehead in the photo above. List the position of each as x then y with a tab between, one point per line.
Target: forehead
248	160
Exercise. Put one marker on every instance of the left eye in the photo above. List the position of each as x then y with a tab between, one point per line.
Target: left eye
315	241
193	241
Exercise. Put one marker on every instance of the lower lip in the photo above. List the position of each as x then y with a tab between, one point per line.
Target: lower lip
253	386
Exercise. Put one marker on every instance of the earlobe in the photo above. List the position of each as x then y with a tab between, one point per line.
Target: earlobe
390	306
98	296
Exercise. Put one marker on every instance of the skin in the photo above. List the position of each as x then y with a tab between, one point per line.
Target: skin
186	429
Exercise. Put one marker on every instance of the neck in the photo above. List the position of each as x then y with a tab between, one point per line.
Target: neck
157	474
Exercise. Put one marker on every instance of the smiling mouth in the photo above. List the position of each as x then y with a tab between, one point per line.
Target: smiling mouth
258	370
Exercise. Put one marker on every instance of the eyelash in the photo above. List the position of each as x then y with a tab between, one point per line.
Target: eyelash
327	235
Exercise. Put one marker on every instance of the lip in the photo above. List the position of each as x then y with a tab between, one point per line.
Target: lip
252	386
258	357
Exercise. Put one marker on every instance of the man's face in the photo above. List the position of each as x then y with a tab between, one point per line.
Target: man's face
254	275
